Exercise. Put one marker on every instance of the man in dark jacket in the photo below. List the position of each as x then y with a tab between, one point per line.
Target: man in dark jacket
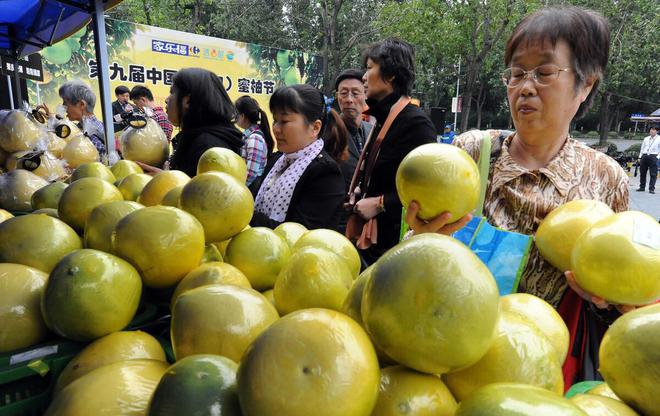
349	90
120	106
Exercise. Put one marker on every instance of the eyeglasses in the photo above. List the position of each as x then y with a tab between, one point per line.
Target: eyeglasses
543	75
345	94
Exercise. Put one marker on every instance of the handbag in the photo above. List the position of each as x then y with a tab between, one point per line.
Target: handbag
365	232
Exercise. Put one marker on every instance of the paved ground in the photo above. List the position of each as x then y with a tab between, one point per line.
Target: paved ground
621	145
644	201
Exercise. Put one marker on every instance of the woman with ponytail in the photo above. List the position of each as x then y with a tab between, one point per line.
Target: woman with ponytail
257	140
301	183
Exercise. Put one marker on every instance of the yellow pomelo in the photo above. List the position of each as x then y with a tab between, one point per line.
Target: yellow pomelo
519	354
154	191
122	388
441	178
21	288
618	259
93	170
51	212
418	293
132	185
81	197
79	150
602	406
147	145
405	392
197	385
213	273
36	240
56	145
311	362
18	132
112	348
123	168
102	221
48	196
560	229
219	159
352	305
313	278
630	359
291	232
211	253
260	254
171	198
269	294
512	399
5	215
16	189
45	165
334	242
221	203
222	247
163	243
603	390
543	316
219	319
90	294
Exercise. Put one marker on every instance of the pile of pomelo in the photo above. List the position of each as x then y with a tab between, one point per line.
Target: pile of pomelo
283	321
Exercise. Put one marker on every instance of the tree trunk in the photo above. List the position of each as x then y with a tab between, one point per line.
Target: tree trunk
147	12
604	117
472	71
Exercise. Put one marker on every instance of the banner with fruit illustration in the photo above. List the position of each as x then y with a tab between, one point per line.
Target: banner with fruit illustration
147	55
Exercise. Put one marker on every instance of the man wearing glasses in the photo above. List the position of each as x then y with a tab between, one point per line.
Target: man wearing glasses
349	90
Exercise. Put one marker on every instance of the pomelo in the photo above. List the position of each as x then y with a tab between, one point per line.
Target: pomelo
48	196
543	316
93	170
418	292
260	254
102	221
81	197
163	243
121	388
147	145
5	215
352	305
441	178
290	231
311	362
18	132
112	348
269	294
598	405
219	159
56	145
618	259
132	185
21	288
44	165
560	229
511	399
212	273
313	278
221	203
90	294
630	359
406	392
197	385
79	150
161	183
211	253
123	168
16	189
604	390
51	212
519	354
36	240
219	319
171	198
334	242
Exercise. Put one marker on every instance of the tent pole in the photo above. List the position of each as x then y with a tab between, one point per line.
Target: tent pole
100	44
11	92
17	82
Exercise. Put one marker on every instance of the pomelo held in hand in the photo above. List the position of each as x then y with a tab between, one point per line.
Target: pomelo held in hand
219	159
441	178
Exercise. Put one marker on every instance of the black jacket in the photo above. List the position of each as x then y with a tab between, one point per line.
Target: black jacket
317	198
411	128
189	145
117	108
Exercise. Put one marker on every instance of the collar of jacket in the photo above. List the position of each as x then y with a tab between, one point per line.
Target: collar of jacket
381	109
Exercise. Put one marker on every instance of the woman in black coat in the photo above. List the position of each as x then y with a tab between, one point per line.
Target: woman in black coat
302	183
389	78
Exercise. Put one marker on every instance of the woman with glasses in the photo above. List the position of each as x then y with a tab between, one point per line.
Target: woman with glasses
555	60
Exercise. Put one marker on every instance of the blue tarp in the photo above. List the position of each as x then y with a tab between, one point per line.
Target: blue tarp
27	26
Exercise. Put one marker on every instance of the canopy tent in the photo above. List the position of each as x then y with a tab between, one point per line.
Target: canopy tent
27	26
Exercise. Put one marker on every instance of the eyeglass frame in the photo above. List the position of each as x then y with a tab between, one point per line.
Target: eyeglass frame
534	75
349	92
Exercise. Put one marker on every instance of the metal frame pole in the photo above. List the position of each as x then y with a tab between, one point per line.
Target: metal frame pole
100	44
458	84
11	92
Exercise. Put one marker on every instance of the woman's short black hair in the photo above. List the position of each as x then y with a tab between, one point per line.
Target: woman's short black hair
396	59
586	32
209	102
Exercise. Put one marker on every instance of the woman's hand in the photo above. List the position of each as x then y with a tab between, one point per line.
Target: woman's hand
599	302
439	224
368	208
148	169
